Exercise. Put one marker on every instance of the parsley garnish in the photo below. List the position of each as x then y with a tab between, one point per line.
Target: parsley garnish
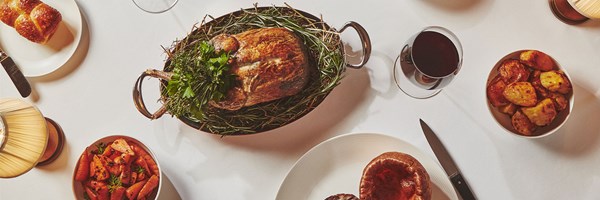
200	75
101	147
114	183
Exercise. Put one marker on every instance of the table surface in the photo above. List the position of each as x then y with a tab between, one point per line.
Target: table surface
90	97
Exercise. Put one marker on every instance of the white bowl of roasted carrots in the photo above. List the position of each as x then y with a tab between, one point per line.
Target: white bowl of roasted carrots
117	167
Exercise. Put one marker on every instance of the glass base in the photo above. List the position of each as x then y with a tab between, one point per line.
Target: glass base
565	13
56	142
155	6
408	87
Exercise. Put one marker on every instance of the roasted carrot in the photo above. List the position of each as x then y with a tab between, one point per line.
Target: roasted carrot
142	163
133	178
125	176
95	185
83	167
148	187
103	194
141	176
117	193
134	190
90	193
151	163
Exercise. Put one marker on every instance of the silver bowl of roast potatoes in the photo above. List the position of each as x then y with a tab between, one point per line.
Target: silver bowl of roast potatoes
529	93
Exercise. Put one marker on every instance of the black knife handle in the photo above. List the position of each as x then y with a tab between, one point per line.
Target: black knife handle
462	187
15	75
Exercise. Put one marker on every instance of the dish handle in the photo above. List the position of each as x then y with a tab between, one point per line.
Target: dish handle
365	41
138	99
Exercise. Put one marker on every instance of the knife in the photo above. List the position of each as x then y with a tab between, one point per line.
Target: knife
459	183
15	74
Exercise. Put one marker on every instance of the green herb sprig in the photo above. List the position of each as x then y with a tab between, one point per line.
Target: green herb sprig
100	148
200	75
114	183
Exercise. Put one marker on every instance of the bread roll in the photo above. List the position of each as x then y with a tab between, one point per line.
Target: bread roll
32	19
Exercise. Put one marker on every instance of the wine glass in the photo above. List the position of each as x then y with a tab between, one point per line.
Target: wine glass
155	6
428	62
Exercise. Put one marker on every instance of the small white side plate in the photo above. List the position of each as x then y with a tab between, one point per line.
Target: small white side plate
40	59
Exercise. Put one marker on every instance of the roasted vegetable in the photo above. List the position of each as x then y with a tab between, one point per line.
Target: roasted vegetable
513	71
520	93
103	194
541	91
495	90
90	194
151	163
509	109
537	60
83	168
555	81
522	124
133	191
122	146
117	193
542	114
148	187
98	168
560	101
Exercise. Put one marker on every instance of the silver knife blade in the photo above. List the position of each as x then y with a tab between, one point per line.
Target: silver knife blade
15	74
459	183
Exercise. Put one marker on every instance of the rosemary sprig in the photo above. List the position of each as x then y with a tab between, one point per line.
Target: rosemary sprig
323	46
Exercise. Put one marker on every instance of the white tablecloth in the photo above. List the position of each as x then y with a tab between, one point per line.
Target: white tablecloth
90	97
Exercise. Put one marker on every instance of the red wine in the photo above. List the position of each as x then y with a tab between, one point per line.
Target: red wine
434	54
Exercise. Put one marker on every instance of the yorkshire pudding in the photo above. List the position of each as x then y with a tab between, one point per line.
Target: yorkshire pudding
395	176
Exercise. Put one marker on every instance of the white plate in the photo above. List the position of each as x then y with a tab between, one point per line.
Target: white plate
336	165
39	59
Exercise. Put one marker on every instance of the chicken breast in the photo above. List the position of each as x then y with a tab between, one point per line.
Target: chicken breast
270	63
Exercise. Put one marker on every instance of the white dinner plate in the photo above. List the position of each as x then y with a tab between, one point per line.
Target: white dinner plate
336	165
39	59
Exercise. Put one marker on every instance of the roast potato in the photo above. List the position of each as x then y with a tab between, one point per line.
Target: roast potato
509	109
560	101
555	81
537	60
494	92
520	93
522	124
513	71
541	91
542	114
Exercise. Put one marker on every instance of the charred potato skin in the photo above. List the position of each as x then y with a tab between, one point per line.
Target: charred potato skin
537	60
520	93
555	81
513	70
560	101
494	92
509	109
522	124
542	114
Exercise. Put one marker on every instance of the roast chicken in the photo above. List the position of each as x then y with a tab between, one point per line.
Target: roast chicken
270	63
